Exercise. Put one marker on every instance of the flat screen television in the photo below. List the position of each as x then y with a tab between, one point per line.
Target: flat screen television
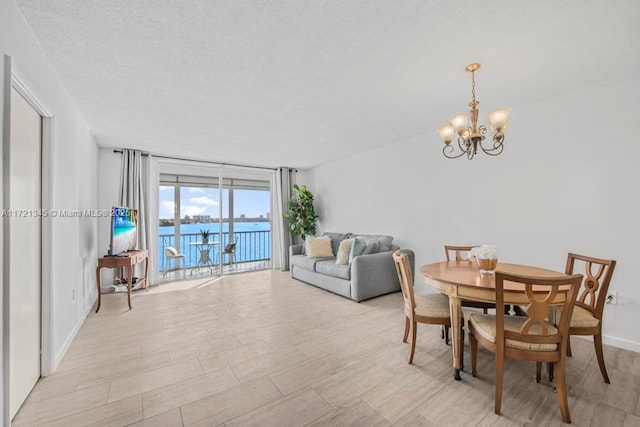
124	230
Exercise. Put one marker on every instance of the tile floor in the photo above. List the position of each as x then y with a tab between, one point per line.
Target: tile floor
262	349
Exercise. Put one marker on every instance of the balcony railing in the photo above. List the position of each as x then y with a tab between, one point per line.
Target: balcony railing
251	246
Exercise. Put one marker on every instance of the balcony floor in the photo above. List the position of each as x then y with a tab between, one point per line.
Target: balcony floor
195	272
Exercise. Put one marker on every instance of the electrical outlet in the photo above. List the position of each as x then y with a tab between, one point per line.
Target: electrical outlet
612	297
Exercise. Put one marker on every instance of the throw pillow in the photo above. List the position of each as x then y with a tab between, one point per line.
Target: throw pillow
318	247
373	247
336	238
357	248
342	257
385	241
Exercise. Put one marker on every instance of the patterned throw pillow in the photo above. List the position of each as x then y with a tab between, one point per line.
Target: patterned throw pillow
318	247
342	257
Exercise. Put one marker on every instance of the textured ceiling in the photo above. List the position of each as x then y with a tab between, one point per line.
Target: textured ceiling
300	83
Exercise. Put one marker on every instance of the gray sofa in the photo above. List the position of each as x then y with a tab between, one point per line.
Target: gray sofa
366	276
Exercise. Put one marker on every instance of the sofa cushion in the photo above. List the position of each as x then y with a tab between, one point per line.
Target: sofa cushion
306	263
357	248
336	238
372	247
342	256
385	241
330	268
317	247
376	243
485	325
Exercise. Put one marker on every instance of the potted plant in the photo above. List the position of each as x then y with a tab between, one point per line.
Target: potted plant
301	213
205	235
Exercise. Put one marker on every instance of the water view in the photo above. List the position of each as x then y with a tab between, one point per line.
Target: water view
253	242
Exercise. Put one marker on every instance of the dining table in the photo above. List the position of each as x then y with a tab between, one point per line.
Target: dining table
462	280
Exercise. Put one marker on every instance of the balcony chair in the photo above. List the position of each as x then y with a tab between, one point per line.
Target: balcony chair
171	253
530	337
230	249
418	308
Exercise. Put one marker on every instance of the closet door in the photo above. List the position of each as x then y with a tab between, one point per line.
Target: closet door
25	249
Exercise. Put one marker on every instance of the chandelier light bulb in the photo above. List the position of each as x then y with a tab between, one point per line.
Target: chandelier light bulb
498	119
460	122
446	133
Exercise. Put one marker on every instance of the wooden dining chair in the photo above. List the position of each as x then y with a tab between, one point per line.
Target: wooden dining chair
461	253
418	308
587	313
531	337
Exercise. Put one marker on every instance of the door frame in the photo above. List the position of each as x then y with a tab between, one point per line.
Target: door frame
46	189
13	78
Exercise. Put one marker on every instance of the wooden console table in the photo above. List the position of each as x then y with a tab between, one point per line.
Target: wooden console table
121	262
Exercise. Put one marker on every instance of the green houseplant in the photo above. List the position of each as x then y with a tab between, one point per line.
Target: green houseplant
301	213
205	235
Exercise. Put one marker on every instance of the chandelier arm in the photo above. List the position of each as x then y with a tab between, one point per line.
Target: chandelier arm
497	145
450	148
464	148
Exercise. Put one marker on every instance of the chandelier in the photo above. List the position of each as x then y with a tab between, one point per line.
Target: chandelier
470	135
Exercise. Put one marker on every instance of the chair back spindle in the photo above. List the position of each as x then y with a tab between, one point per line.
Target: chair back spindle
461	253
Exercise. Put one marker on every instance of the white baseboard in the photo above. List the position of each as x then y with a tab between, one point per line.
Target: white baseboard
621	343
63	350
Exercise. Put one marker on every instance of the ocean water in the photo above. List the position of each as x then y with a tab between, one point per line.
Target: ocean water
253	242
214	227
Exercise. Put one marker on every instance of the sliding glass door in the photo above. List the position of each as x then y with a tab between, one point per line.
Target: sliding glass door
212	225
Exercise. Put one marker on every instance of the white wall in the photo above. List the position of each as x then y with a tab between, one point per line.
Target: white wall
567	181
72	184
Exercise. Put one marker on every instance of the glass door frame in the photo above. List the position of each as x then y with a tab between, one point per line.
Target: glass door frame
178	174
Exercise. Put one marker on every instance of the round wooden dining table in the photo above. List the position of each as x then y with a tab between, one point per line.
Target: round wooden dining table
461	280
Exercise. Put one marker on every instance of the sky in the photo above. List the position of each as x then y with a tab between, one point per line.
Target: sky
204	201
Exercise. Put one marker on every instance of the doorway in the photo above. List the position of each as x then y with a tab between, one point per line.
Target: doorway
25	249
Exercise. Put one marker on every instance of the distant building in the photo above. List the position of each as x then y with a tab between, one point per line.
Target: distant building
243	216
201	218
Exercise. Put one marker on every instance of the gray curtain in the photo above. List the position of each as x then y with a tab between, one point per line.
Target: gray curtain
282	235
132	191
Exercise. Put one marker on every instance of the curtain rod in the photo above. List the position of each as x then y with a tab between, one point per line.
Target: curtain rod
205	161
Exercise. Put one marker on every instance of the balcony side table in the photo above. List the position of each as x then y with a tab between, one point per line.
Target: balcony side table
205	260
